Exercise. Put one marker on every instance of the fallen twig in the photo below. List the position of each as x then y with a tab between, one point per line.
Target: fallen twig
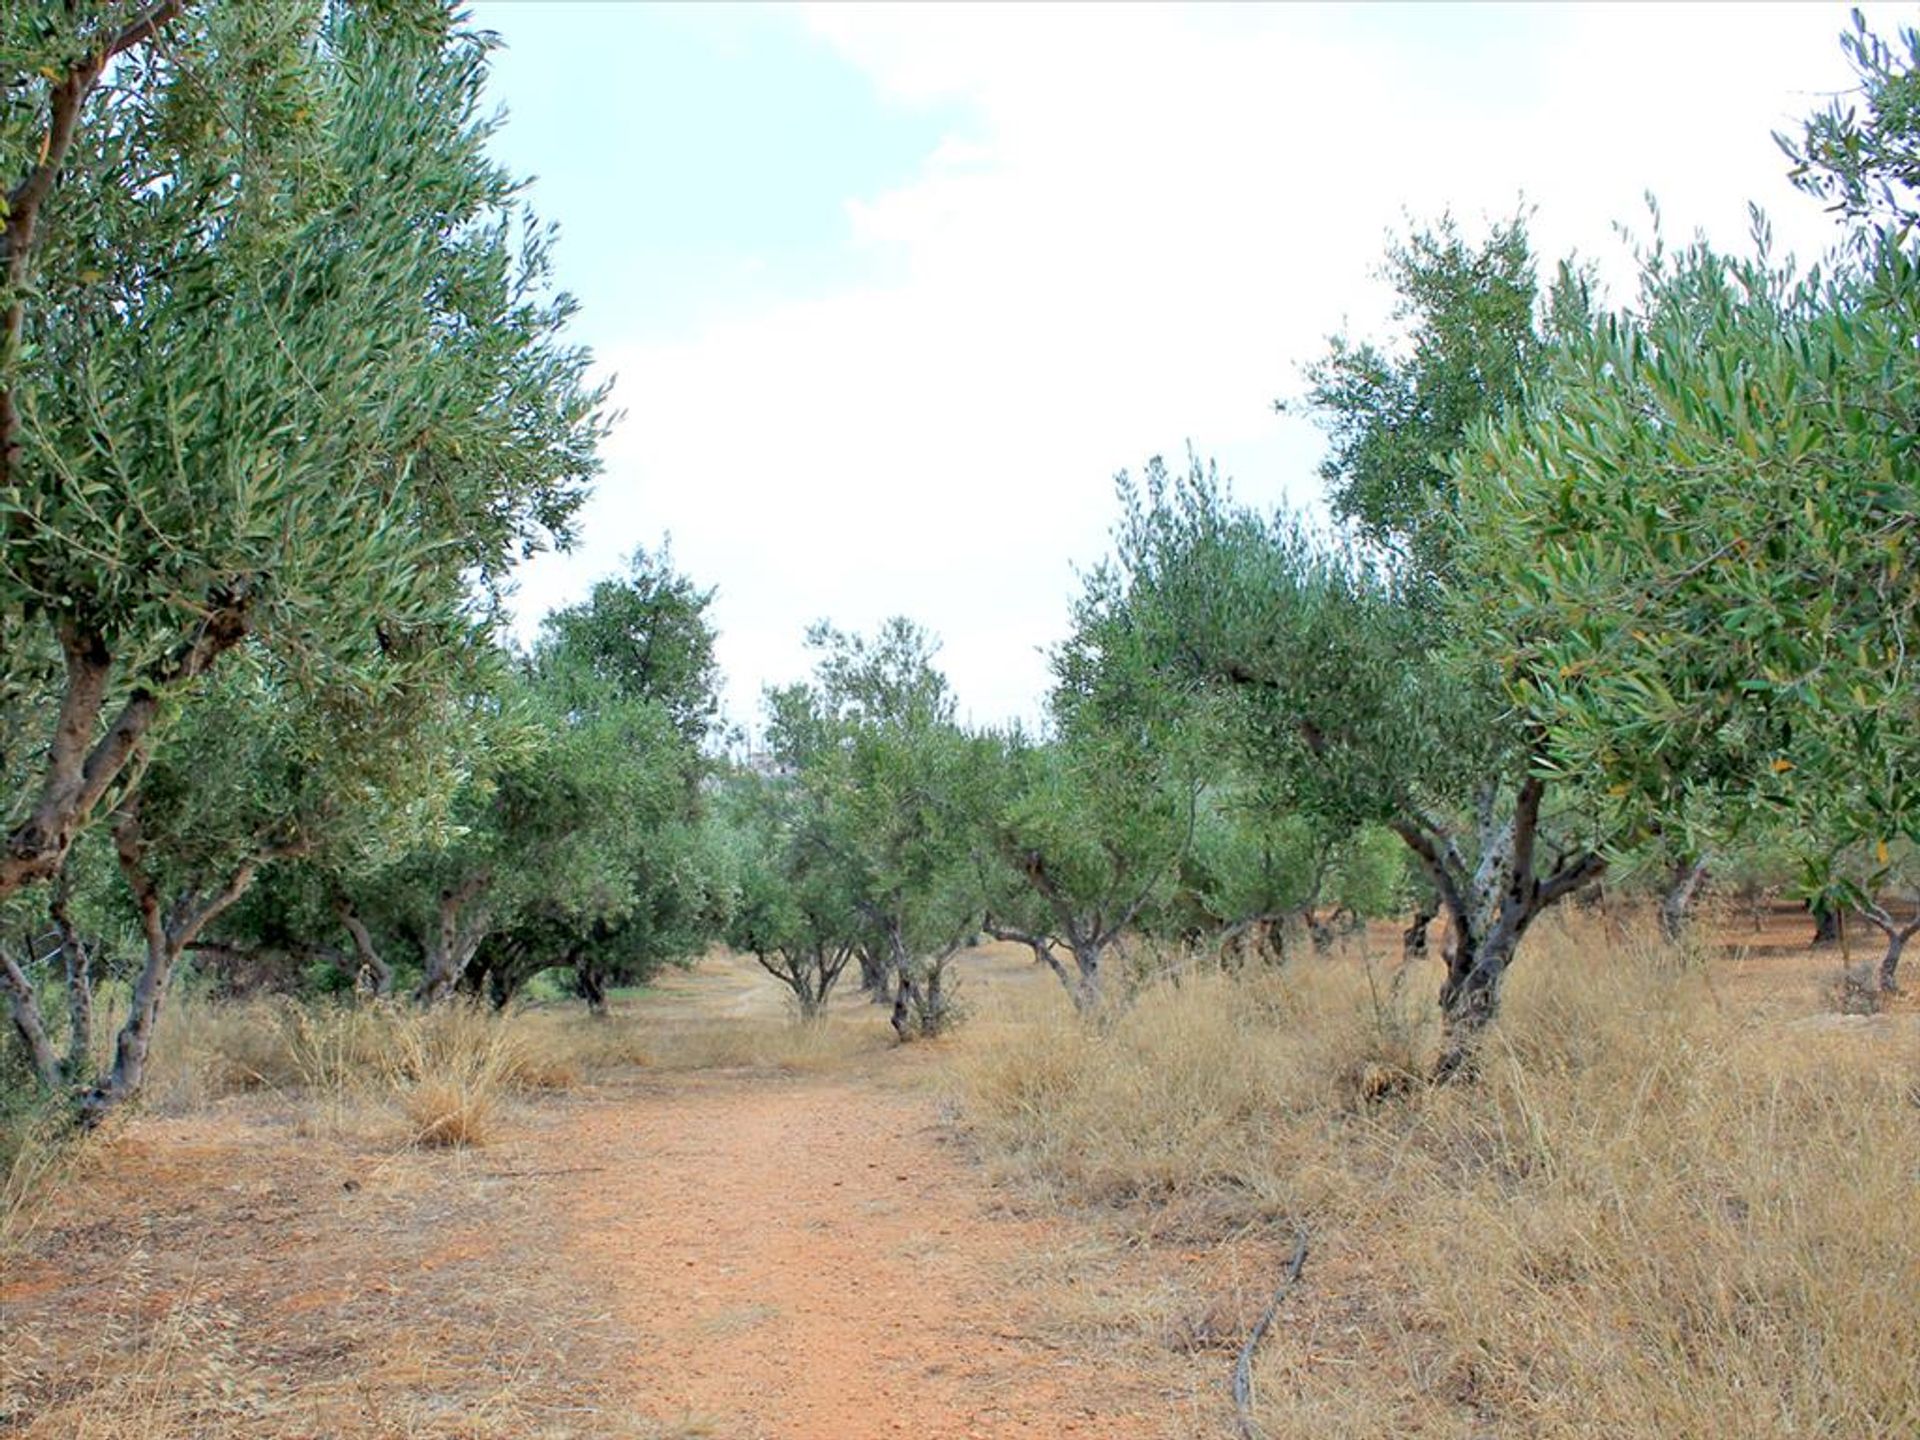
1243	1367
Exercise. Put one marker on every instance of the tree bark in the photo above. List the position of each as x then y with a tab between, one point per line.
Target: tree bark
1826	926
1089	989
453	943
1413	940
908	1002
876	970
79	771
1489	910
1319	931
1890	962
167	932
921	1005
1677	903
593	988
76	957
1897	934
1042	948
372	974
23	1007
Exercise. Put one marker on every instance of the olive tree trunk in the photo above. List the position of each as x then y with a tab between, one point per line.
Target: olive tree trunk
1897	934
167	929
1082	983
372	974
76	963
459	929
1489	909
1826	926
1676	904
809	972
1413	940
876	974
23	1008
921	1005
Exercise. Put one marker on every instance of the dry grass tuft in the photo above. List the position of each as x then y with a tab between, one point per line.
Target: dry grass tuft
1655	1214
443	1073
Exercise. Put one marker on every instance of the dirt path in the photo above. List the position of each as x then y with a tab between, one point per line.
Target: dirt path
737	1242
807	1259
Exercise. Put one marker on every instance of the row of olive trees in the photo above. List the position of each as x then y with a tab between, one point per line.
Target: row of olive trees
1629	584
548	815
880	833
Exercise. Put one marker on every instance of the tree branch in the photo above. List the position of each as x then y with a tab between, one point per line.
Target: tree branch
1434	863
26	197
1568	878
73	787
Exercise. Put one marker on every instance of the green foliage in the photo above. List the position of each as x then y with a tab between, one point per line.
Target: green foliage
1707	542
892	784
1867	168
282	365
645	636
891	797
1350	708
258	764
1393	413
796	904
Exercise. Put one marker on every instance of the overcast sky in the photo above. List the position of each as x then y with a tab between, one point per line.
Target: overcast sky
892	293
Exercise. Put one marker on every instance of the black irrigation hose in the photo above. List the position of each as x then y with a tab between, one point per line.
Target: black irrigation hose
1243	1367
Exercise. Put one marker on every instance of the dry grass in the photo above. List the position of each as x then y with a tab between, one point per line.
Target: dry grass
215	1275
1656	1214
441	1076
394	1074
767	1043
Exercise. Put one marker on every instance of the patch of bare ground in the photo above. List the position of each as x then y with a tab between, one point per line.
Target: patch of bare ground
225	1274
808	1259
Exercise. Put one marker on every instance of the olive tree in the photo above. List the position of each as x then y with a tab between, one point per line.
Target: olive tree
260	769
795	909
278	366
1086	837
1090	827
626	874
1360	705
896	795
1707	542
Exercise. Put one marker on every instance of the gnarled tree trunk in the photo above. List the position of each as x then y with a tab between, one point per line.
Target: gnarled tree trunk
1413	940
1489	909
921	1005
76	960
1676	903
876	974
456	937
168	930
23	1008
1043	954
1826	925
1897	934
1252	935
592	986
372	974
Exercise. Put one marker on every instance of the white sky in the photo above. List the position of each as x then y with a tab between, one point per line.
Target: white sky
1126	230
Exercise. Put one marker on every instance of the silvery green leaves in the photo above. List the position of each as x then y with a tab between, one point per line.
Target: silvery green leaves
287	371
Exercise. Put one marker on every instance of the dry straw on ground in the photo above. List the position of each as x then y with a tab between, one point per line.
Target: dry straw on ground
1658	1213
